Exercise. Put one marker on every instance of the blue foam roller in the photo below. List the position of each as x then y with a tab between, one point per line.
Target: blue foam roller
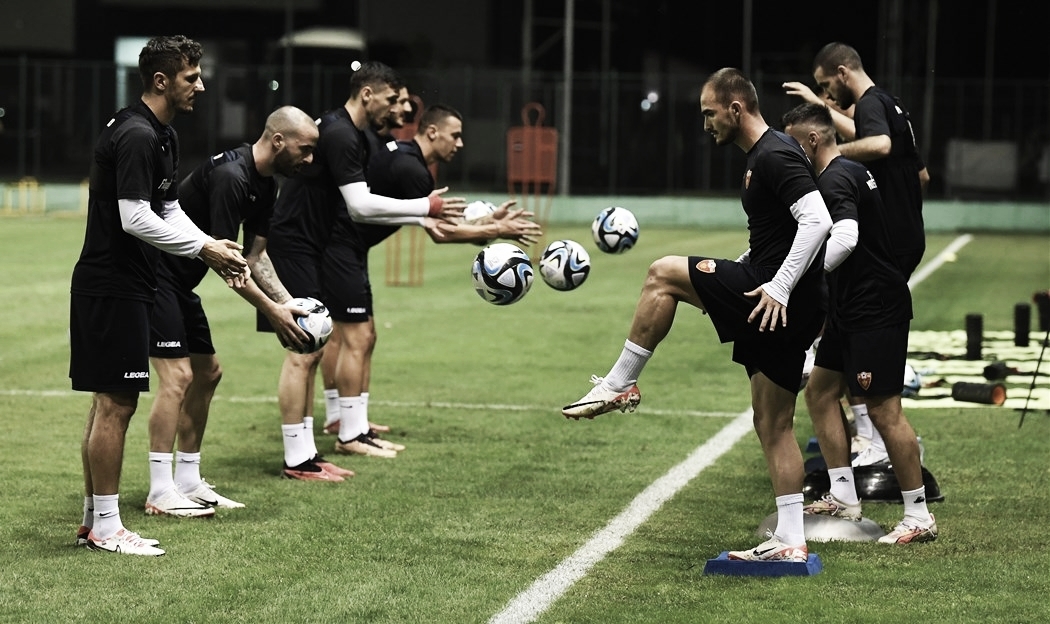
813	446
729	567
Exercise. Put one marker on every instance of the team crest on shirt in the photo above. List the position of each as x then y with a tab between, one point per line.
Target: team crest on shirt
747	179
864	379
706	265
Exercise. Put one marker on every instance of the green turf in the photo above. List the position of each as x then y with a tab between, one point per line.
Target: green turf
486	500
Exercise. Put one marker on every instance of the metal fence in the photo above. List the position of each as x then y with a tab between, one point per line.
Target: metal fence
624	141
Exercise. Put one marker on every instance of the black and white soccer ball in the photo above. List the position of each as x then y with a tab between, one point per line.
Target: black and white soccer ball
912	382
479	212
615	230
564	265
317	324
502	273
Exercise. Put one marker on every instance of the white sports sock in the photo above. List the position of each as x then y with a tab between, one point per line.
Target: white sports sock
187	470
628	367
352	420
843	487
862	420
295	451
915	505
308	436
364	410
160	476
790	528
106	521
331	406
89	512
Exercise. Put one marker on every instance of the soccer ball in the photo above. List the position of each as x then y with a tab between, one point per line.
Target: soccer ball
564	264
615	230
912	382
317	324
478	212
502	273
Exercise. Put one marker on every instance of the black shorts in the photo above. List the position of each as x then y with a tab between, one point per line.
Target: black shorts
179	326
109	344
872	361
345	286
300	274
779	354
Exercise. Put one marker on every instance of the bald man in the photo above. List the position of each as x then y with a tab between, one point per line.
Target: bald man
232	188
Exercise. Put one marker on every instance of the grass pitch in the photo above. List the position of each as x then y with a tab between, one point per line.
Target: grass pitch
496	488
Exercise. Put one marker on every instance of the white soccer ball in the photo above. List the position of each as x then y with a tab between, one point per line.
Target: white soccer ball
912	381
615	230
502	273
317	324
564	265
478	212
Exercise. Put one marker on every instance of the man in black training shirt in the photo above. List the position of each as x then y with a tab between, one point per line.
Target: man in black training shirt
865	341
304	215
747	299
234	187
133	215
884	140
399	169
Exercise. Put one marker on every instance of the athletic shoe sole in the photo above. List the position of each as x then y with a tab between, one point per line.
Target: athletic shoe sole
626	401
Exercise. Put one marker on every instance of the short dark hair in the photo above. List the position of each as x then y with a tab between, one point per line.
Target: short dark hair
376	75
435	114
812	114
168	55
834	54
731	84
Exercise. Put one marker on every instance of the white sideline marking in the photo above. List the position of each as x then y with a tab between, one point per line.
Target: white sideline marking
531	603
488	407
946	255
548	588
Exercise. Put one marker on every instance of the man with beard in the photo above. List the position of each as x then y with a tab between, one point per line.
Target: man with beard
235	187
747	298
133	216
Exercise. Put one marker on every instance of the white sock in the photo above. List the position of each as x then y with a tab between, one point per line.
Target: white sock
187	470
915	506
160	477
331	406
364	410
628	367
862	420
843	486
352	419
106	521
790	528
295	451
308	436
88	519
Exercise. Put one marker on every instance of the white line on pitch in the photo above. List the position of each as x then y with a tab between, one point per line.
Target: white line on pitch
946	255
488	407
528	605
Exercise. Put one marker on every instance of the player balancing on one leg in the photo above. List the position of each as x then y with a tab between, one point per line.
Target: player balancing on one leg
747	299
